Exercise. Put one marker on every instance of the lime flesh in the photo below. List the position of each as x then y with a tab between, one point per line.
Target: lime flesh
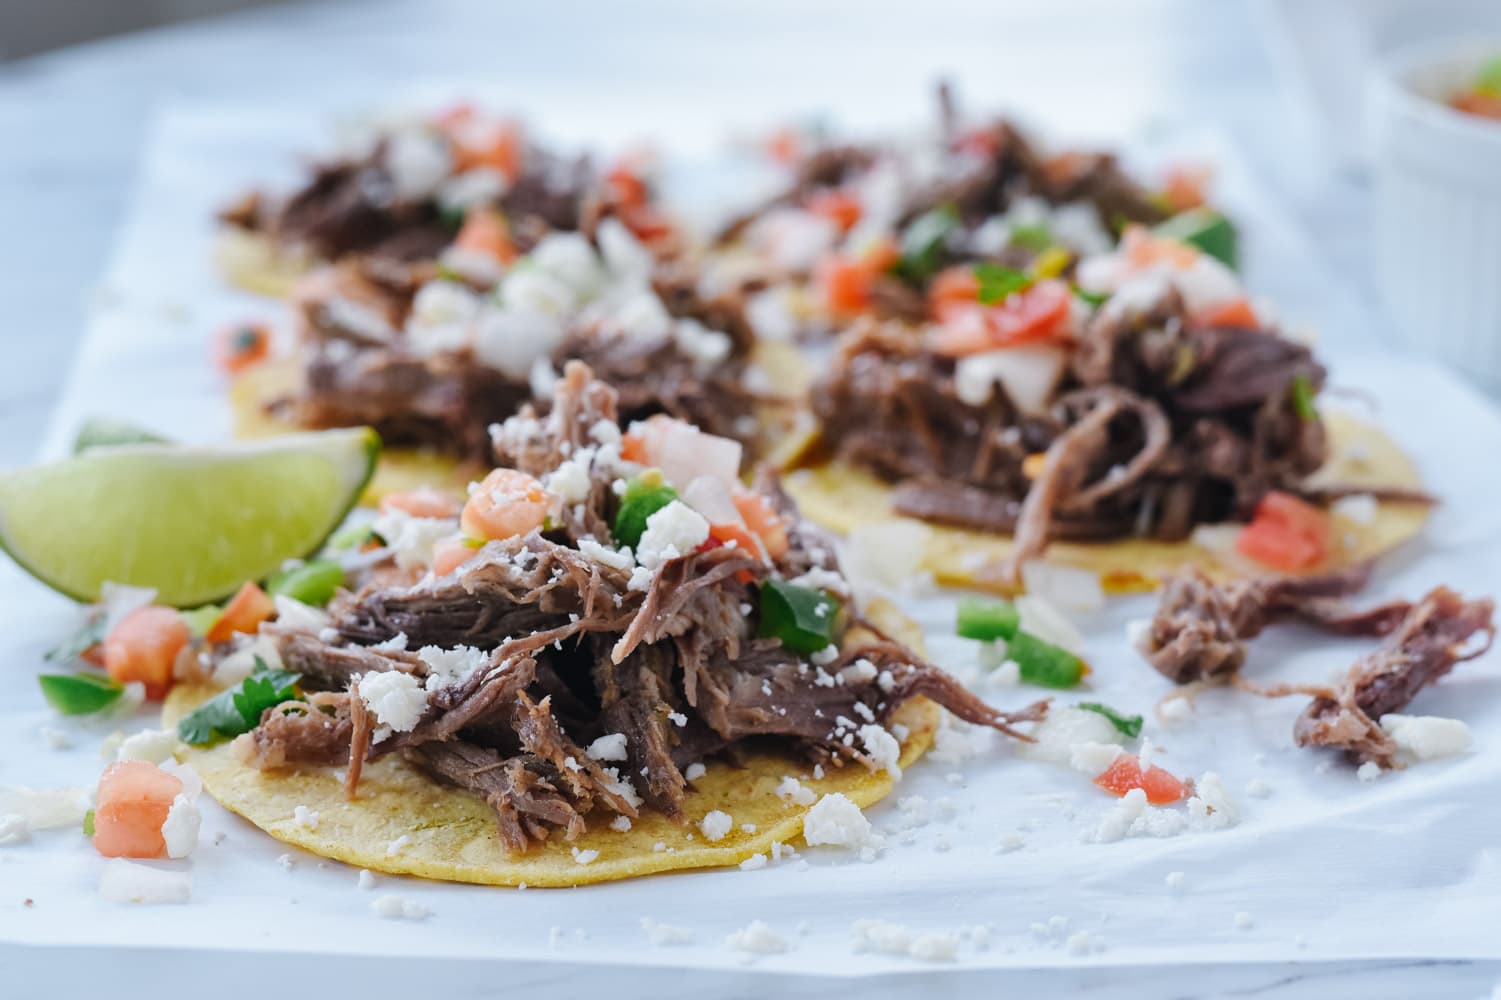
194	523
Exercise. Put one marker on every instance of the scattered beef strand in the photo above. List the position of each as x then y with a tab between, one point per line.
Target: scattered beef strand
1435	635
574	654
1201	627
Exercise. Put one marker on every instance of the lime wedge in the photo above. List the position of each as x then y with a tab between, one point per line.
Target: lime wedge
105	432
194	523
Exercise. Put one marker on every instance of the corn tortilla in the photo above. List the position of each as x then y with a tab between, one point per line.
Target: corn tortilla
451	833
843	498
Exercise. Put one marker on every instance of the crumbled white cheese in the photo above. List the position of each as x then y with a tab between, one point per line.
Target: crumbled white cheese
584	857
451	666
1211	807
180	828
1064	728
672	531
620	559
394	907
677	719
1092	758
417	161
707	348
882	749
398	845
756	938
1258	789
304	817
366	880
837	822
1369	771
396	644
611	746
695	771
476	186
442	317
129	882
152	745
1427	737
889	938
716	824
792	792
1081	943
1359	508
624	256
571	480
665	935
621	824
397	699
411	539
753	863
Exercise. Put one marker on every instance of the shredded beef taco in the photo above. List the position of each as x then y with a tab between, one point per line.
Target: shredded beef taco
1135	418
462	186
615	660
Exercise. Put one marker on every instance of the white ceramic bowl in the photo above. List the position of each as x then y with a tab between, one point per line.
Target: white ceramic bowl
1438	208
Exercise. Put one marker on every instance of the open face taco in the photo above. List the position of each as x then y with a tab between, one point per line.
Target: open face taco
461	186
615	660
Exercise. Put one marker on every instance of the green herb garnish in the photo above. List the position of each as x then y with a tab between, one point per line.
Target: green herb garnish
1044	663
923	242
79	694
1093	299
998	283
987	620
351	536
238	709
313	583
1302	395
1489	80
88	823
644	495
803	618
1128	725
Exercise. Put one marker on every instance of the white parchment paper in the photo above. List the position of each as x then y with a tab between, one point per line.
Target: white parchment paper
1325	867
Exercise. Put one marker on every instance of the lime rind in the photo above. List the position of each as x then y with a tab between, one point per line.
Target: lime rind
194	523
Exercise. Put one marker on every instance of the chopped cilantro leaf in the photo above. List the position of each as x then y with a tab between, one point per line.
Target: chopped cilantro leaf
238	709
997	283
1128	725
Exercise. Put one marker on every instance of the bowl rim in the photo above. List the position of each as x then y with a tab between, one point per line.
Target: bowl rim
1393	84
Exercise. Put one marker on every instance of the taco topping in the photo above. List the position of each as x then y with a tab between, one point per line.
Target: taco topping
606	635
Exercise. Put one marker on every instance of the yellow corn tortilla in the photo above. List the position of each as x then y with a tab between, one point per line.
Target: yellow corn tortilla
451	834
254	263
843	498
403	469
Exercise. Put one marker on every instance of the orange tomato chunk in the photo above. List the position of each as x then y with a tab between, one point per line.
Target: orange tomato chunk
1286	533
244	613
760	518
240	346
507	503
143	646
132	804
422	502
1124	774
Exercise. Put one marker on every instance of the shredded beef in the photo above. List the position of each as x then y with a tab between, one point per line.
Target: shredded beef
1201	627
575	653
1433	636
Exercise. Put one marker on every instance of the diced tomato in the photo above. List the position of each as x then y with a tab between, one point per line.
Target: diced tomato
1124	774
485	231
784	146
633	448
1235	313
954	287
1477	102
844	284
625	184
881	255
143	646
451	553
1142	250
506	503
1286	533
244	613
760	518
738	534
240	346
840	207
132	804
646	223
1184	186
422	502
499	148
1038	313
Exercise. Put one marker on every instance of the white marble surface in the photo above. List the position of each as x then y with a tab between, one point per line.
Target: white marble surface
74	124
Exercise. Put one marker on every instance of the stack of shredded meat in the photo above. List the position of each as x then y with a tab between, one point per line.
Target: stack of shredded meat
572	651
1159	425
360	369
